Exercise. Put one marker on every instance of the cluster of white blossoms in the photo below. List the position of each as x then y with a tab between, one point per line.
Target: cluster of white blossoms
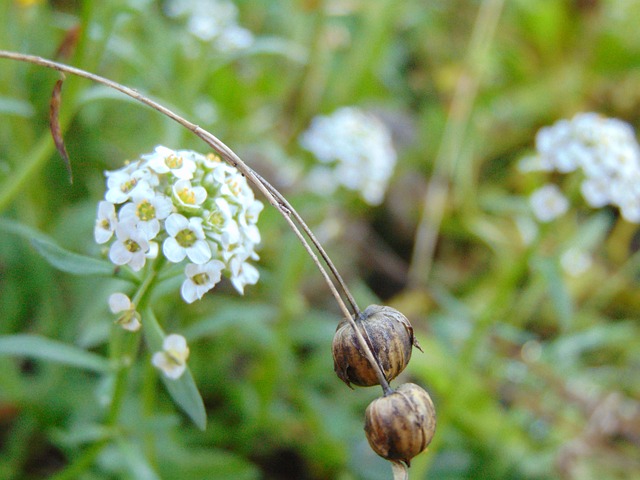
214	21
356	151
604	149
188	207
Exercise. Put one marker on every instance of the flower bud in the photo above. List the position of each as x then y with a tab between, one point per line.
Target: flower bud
402	424
390	338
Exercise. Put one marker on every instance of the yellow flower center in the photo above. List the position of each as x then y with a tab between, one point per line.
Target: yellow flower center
126	187
173	161
187	196
200	278
131	245
186	238
146	211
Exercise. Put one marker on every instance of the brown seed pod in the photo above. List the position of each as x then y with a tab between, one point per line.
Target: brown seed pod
390	338
402	424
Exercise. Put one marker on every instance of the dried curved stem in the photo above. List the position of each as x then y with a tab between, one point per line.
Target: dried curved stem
275	198
314	240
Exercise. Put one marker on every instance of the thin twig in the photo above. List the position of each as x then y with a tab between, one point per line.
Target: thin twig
228	155
315	242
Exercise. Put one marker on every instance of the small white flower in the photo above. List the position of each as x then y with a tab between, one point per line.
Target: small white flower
164	160
146	213
535	163
172	360
130	247
575	261
200	279
548	203
122	184
221	224
105	223
130	318
187	196
242	274
186	240
596	191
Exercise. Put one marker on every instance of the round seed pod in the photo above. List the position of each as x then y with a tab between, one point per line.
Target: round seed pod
401	425
390	338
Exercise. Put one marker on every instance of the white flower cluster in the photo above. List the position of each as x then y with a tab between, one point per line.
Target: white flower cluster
604	149
212	21
356	151
197	207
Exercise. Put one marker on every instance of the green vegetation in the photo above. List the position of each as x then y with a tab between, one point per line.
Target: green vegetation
529	328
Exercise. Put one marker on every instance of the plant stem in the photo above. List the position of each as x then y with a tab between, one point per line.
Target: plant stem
275	198
314	240
435	200
124	359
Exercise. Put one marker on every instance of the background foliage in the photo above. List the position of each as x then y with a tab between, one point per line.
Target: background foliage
533	370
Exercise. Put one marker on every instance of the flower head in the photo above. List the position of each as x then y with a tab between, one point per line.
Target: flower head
208	218
172	360
356	150
603	149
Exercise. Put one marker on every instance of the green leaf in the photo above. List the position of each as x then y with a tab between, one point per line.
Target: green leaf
35	346
183	390
58	257
560	297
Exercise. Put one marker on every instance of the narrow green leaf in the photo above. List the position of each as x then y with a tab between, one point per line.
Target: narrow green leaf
35	346
56	256
183	390
560	297
71	262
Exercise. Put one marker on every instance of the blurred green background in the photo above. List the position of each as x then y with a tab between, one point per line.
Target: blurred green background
534	372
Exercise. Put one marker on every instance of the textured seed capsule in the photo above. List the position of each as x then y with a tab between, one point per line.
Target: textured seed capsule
402	424
390	337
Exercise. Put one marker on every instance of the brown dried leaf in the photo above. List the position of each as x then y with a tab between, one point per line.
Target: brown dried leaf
54	123
67	46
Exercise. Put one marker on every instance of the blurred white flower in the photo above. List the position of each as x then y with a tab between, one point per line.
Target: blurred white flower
213	21
242	274
604	149
548	203
575	261
129	318
357	150
200	279
105	223
172	360
217	219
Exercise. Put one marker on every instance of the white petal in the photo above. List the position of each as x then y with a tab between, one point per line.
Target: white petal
118	254
175	223
173	251
199	252
188	291
119	302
